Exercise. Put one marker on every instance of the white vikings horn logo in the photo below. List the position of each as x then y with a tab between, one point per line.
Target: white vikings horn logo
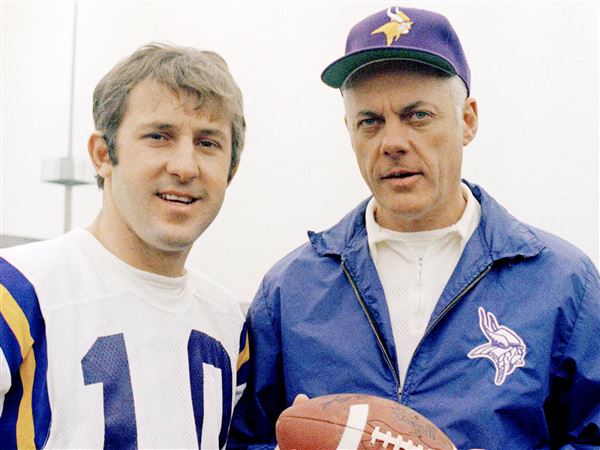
505	349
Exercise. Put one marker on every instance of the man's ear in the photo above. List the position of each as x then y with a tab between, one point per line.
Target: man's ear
470	120
98	150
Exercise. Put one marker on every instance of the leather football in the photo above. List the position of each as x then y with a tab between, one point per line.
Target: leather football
356	421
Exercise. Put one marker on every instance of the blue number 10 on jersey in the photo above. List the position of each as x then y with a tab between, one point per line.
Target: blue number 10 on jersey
106	362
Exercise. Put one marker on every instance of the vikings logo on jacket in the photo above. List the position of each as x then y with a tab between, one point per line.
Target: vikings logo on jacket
505	349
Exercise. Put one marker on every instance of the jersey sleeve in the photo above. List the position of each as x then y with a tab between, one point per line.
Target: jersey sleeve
24	405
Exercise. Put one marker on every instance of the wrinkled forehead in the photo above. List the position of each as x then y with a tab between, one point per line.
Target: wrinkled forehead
399	85
374	91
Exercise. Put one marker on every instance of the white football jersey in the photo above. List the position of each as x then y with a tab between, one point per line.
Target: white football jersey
95	353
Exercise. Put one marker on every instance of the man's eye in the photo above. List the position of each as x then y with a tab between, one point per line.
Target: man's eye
368	122
156	136
207	143
418	115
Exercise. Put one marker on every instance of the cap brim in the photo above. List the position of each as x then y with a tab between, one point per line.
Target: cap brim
337	72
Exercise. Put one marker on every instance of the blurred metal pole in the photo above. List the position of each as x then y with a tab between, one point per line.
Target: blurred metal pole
68	196
69	188
68	171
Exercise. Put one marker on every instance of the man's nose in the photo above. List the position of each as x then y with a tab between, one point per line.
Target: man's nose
395	137
184	161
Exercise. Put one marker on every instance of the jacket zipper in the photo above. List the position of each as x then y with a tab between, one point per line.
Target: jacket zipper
382	347
448	307
451	305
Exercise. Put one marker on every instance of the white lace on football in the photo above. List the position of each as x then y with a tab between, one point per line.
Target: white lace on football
397	441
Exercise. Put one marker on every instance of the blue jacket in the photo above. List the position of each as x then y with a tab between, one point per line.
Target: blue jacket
509	359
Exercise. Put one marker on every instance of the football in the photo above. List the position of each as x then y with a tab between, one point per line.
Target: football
356	421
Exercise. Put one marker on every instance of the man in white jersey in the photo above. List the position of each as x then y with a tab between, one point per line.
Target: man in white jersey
428	293
107	339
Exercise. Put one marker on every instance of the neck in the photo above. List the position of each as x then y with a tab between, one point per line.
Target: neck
131	249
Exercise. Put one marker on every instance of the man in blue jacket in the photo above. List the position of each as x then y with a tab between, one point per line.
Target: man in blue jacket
429	293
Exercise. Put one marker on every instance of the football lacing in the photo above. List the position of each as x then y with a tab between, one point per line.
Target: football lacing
398	442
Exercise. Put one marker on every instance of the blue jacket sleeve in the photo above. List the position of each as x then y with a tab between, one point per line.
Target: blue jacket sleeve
254	417
576	409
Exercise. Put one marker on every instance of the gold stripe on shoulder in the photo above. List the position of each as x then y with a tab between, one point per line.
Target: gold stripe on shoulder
17	322
244	355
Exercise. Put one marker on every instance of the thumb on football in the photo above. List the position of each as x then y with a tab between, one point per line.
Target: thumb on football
300	398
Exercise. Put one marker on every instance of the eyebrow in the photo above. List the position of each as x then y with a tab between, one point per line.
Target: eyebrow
412	106
168	126
366	112
158	126
408	108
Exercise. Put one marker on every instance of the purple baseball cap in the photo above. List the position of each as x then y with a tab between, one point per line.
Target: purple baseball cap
400	33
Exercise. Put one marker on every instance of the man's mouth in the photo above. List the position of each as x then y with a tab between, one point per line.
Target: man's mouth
177	198
399	174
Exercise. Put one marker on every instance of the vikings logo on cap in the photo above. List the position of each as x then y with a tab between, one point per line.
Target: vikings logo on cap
398	25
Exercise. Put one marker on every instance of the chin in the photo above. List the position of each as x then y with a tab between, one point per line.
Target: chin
172	242
173	237
407	209
179	243
177	246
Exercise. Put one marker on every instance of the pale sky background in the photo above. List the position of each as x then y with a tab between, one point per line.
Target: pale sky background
534	73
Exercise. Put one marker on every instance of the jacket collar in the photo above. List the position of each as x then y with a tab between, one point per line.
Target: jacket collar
343	236
501	235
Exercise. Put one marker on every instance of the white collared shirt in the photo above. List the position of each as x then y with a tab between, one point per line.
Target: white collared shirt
414	268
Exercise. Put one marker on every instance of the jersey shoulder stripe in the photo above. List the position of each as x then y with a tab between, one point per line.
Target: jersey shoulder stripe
25	417
243	357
